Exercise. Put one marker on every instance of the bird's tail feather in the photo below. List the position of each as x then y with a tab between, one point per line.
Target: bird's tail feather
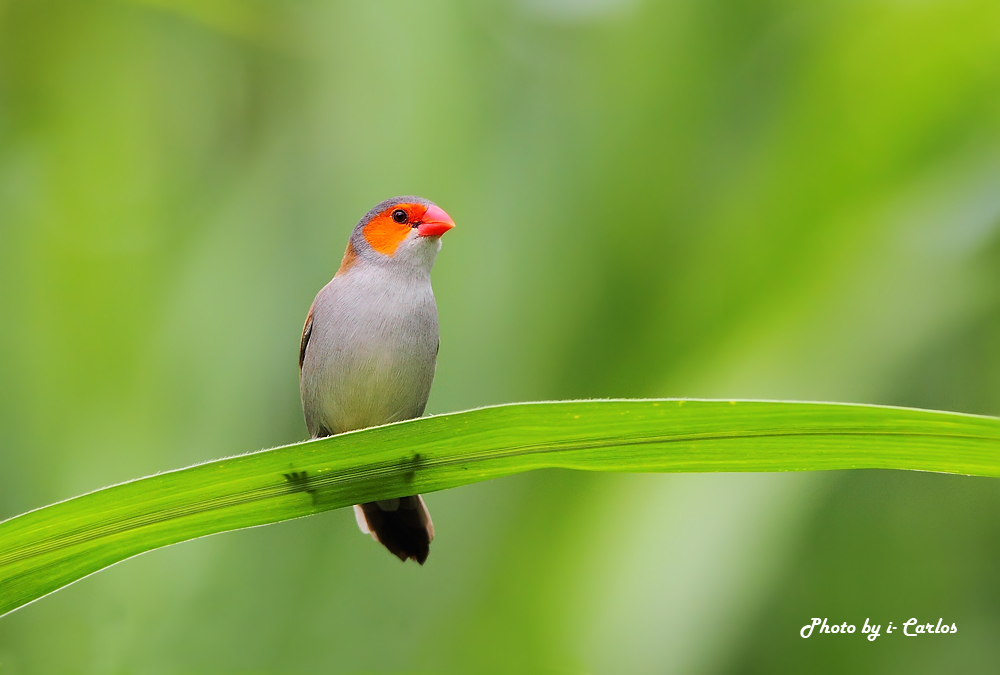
401	525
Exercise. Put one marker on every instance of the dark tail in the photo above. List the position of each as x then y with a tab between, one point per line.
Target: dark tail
401	525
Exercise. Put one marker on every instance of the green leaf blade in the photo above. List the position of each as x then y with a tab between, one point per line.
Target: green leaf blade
46	549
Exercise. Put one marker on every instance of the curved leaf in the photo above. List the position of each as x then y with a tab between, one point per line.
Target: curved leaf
51	547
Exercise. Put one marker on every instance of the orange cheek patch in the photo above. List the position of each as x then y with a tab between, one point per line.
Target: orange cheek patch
385	235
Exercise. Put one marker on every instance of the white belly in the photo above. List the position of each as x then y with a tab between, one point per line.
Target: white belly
371	355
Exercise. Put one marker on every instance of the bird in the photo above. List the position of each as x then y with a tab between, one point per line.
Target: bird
369	348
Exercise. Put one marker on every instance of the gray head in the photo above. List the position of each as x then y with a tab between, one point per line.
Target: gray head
403	230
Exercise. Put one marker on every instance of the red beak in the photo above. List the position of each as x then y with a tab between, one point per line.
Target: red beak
435	222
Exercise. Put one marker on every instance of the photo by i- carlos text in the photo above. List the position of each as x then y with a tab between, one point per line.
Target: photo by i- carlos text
911	628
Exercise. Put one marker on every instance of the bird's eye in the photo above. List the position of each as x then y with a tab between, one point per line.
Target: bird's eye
399	215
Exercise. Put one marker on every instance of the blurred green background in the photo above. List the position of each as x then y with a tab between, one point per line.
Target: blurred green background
754	198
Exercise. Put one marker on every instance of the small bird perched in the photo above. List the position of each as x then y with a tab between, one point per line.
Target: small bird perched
369	348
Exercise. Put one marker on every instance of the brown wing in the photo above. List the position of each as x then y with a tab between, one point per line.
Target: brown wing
307	330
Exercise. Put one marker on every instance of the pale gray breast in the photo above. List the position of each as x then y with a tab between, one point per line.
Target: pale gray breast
371	355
